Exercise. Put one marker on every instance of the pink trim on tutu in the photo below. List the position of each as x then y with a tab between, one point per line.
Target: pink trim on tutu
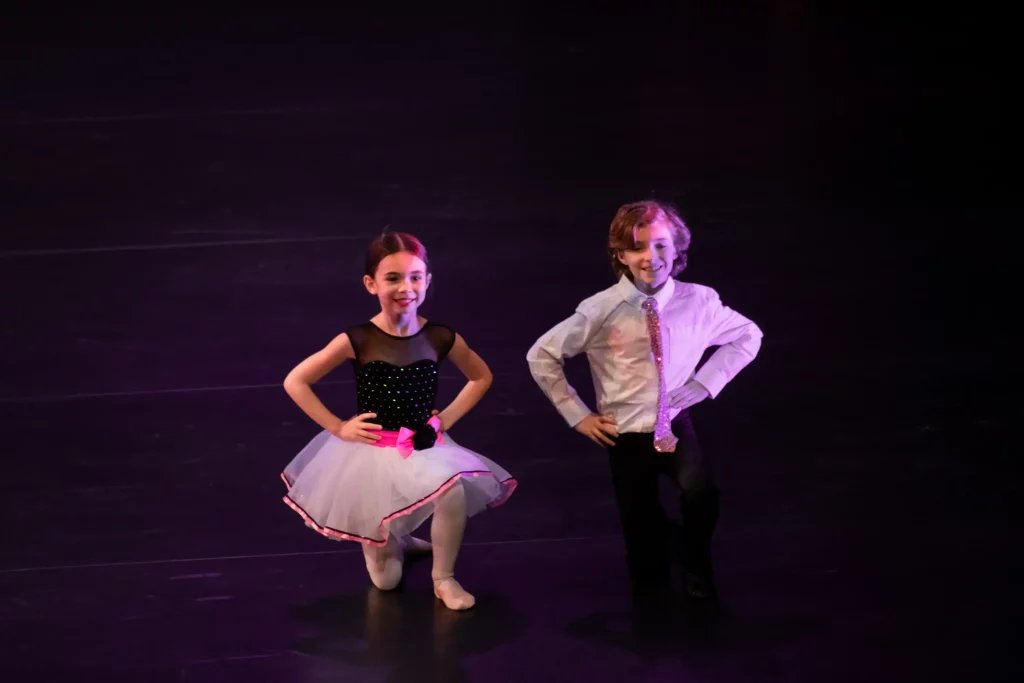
401	441
341	535
512	484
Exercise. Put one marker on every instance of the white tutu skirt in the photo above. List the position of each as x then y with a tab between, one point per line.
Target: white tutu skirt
358	492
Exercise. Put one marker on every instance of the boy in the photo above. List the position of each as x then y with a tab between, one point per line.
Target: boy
644	337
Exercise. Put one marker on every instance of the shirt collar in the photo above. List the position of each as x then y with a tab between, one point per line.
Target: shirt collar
633	296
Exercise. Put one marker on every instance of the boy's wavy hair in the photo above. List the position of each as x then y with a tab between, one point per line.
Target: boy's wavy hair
636	215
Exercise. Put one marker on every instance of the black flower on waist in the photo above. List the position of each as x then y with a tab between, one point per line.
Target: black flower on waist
424	438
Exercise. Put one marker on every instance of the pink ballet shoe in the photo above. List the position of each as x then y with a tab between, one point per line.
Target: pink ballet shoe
454	596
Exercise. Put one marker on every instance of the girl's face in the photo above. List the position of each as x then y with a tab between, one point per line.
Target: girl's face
651	258
400	284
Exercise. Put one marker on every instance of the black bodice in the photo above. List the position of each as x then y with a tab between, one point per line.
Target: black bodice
396	377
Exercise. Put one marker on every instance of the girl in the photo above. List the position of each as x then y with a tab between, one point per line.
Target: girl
378	476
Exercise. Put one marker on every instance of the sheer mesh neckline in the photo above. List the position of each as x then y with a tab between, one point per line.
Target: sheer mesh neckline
417	333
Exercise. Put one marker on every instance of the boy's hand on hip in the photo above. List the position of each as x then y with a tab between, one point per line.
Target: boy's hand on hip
599	428
691	393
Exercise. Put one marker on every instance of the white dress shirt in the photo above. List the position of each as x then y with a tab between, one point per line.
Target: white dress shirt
610	327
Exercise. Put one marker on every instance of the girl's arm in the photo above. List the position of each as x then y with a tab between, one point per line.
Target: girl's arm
479	376
299	382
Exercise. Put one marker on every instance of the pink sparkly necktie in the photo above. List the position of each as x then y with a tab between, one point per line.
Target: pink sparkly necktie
664	440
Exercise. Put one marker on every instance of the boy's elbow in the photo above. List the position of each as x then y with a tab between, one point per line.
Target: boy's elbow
752	343
756	334
539	357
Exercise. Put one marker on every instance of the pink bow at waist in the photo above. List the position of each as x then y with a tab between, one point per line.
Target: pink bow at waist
402	439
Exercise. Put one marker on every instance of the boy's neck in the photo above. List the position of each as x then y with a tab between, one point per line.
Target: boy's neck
647	290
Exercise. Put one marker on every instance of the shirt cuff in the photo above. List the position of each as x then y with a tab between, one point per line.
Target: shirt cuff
573	410
714	380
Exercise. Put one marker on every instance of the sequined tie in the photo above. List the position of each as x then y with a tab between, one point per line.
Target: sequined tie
664	440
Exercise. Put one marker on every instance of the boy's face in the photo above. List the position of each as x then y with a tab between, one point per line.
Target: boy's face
652	256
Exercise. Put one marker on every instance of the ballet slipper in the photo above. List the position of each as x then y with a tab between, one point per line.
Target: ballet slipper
453	595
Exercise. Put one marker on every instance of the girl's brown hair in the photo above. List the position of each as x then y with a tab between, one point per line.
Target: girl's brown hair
393	243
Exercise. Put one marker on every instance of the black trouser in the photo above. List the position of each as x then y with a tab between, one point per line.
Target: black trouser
651	537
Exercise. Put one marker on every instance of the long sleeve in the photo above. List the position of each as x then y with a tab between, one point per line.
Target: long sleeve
547	364
738	339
